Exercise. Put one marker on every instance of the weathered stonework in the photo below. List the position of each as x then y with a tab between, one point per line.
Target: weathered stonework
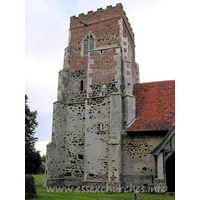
96	139
69	88
138	164
95	104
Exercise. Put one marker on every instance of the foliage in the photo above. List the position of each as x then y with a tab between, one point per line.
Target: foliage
43	159
43	194
42	168
32	162
30	189
30	125
32	157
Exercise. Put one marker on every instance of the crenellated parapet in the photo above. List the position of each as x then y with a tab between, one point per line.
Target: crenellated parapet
92	17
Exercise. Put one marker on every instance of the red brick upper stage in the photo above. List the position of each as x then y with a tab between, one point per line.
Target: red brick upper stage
155	106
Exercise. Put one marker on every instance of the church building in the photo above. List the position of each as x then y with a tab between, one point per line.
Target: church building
109	129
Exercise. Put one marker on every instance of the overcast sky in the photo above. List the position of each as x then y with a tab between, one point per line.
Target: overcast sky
160	34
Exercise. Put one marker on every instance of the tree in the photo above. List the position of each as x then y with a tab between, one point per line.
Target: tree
43	158
32	157
30	125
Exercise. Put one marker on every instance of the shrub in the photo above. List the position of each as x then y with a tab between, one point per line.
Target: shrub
30	189
42	168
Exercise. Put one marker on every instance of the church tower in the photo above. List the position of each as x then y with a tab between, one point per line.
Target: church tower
95	102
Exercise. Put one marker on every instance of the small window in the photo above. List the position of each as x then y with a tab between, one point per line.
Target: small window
88	44
81	85
101	127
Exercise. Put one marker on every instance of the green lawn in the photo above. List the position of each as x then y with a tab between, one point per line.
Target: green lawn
43	194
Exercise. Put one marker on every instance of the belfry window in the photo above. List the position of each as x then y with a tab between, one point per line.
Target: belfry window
88	44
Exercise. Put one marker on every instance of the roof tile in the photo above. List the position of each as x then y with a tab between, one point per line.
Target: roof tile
155	106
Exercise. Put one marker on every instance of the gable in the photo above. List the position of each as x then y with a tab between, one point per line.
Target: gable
167	143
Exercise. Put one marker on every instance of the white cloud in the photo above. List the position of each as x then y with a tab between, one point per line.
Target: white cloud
154	38
43	72
46	28
41	146
46	37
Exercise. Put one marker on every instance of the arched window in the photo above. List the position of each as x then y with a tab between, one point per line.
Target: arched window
88	44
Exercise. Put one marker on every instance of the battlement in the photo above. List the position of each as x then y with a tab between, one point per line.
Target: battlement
92	17
98	10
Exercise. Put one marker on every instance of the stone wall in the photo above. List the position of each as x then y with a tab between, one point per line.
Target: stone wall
72	86
97	133
138	163
75	138
65	153
103	89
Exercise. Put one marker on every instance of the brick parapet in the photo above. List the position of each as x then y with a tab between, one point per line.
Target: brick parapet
94	17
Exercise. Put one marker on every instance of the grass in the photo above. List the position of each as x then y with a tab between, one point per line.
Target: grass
43	194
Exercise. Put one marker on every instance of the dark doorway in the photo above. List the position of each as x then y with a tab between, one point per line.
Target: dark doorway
170	173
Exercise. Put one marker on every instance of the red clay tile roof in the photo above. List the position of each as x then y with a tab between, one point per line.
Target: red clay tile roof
155	106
